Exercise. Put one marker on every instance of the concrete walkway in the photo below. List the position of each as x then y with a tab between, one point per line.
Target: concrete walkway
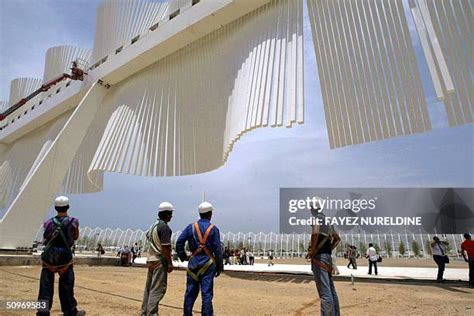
384	273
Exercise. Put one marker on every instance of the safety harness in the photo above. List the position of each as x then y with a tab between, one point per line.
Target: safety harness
201	248
321	264
152	266
44	255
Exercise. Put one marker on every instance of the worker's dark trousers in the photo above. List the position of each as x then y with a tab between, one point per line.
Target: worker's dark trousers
441	264
66	291
471	271
206	283
374	264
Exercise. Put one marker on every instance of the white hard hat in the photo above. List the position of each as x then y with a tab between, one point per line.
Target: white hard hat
205	207
61	201
165	206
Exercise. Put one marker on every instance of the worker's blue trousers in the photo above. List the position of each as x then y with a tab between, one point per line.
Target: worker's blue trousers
206	284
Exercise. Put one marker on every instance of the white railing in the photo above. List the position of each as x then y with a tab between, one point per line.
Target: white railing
282	245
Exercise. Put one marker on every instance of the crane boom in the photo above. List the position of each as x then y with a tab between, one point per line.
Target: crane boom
76	74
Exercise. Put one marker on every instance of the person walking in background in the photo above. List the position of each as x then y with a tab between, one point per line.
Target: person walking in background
125	256
372	256
227	256
348	255
243	256
159	261
354	256
135	250
351	255
100	250
467	250
270	258
251	258
438	249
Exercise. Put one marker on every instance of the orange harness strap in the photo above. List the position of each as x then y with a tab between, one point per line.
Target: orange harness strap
202	240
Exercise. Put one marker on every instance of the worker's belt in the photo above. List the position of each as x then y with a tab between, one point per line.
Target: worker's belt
60	268
153	265
323	265
201	248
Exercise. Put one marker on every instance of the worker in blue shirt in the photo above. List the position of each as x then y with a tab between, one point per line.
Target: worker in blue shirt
205	262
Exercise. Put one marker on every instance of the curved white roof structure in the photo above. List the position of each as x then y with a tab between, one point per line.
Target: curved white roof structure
118	22
173	85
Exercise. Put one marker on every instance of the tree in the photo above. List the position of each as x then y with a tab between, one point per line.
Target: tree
448	248
340	248
362	248
428	247
415	248
388	248
401	248
377	247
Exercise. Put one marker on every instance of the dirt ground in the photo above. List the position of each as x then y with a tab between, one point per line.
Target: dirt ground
118	291
387	262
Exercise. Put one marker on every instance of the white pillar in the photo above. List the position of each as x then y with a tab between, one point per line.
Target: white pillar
20	223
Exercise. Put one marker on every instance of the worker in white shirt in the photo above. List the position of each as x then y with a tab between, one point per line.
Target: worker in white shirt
373	257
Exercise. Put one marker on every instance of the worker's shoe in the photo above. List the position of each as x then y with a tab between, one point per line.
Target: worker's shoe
81	313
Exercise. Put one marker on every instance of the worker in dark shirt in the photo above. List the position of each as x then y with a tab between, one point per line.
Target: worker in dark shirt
158	261
60	232
206	261
323	240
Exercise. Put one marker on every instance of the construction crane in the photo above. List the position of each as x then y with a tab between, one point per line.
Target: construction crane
76	74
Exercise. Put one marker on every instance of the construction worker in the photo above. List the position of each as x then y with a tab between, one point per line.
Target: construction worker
59	235
159	260
205	263
323	240
76	72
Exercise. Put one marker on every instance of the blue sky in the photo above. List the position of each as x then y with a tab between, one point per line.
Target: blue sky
245	190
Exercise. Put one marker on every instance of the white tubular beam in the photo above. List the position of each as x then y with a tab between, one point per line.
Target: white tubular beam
36	195
450	22
422	33
369	81
443	67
